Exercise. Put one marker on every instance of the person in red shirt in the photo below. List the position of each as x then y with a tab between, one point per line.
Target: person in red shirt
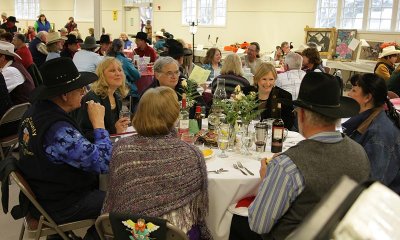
142	48
22	50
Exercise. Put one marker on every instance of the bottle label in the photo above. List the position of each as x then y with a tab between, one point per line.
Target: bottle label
183	125
277	133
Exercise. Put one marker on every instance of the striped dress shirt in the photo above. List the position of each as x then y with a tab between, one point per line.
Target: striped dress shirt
282	184
290	81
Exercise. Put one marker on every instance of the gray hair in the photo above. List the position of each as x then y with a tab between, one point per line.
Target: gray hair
41	34
317	119
294	60
162	61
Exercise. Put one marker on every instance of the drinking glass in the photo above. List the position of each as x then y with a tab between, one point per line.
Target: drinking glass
223	139
125	113
269	122
247	141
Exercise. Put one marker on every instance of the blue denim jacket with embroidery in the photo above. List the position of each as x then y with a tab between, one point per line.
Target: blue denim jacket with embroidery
381	140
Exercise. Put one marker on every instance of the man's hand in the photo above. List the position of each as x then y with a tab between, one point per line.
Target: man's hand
96	114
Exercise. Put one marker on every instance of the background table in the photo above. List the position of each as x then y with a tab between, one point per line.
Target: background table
364	67
229	187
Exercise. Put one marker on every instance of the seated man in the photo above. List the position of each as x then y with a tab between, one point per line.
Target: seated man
252	59
296	180
143	49
22	50
61	165
19	81
86	60
290	80
38	48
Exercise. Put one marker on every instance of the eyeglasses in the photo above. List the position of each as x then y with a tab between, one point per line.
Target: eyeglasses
171	74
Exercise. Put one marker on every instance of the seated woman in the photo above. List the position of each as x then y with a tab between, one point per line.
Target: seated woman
385	65
270	95
131	73
127	43
166	73
108	90
212	62
156	174
311	60
232	72
376	129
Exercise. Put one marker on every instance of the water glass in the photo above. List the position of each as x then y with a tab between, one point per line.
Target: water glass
247	141
223	139
125	113
269	122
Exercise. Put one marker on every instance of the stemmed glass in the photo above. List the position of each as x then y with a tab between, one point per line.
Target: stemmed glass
223	139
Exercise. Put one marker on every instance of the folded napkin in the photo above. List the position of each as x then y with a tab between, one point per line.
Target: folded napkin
245	202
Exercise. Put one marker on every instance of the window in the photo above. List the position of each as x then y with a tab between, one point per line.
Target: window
327	11
352	14
380	14
130	2
367	15
204	12
27	9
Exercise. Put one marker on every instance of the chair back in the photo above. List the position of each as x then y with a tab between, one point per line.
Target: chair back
36	75
15	113
104	229
45	225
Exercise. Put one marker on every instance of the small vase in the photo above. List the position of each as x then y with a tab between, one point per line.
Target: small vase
232	138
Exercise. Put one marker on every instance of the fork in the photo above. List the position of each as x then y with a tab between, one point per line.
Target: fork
236	167
241	166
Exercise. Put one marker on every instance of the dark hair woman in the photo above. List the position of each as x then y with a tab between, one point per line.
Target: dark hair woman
376	129
212	62
312	61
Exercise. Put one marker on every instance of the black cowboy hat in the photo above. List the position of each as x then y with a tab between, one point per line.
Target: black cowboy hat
142	36
105	38
71	39
60	76
320	93
12	19
175	49
89	43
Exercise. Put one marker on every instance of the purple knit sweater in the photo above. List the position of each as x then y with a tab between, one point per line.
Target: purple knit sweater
155	175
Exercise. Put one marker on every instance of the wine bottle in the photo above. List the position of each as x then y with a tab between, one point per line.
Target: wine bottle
198	116
183	119
277	132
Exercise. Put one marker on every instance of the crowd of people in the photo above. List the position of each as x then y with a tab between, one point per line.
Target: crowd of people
64	137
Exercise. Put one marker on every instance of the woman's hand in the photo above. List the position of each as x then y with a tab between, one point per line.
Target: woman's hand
122	124
263	168
96	114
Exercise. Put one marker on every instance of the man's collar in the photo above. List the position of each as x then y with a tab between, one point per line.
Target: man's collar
7	65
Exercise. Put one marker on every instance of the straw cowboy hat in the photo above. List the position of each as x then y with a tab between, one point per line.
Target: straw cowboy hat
160	34
7	48
320	93
387	51
60	76
54	37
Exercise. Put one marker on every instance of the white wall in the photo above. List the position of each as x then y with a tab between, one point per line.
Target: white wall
267	21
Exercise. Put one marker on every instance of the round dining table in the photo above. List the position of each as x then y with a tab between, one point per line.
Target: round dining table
228	187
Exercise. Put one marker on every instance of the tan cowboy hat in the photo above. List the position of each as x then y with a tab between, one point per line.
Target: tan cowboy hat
160	34
54	37
387	51
7	48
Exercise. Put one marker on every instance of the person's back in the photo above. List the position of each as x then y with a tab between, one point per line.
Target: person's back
86	61
38	57
321	164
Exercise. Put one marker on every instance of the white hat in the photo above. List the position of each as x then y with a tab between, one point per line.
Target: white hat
7	48
387	51
160	34
54	37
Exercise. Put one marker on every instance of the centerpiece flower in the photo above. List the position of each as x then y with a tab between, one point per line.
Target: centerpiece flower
189	89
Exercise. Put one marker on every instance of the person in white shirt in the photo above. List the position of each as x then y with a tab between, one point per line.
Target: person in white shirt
86	60
290	80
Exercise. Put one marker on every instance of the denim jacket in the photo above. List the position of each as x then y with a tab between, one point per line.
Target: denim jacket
381	140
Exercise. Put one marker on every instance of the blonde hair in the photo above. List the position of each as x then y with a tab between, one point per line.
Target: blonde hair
157	112
100	87
263	69
232	65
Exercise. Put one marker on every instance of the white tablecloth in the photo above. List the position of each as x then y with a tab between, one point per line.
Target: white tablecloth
229	187
365	67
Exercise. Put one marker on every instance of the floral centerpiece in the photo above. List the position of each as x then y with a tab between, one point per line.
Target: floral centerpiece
241	107
189	89
387	44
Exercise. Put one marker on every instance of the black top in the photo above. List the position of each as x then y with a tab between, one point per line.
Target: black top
277	95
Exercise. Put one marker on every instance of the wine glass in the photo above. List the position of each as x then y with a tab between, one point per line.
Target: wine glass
223	139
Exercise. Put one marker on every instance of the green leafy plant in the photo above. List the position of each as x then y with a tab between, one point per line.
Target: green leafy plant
189	88
241	106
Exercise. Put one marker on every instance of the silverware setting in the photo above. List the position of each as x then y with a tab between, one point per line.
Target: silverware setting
236	167
218	171
240	165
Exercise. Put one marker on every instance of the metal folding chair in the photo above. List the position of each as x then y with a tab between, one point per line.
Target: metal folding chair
45	225
13	114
